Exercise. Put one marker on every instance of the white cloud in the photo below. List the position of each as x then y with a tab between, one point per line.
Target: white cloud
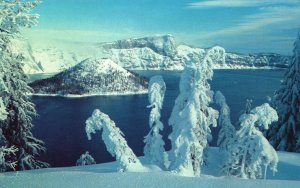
264	31
285	16
238	3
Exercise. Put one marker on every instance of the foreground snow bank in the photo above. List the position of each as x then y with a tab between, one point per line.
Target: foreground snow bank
105	175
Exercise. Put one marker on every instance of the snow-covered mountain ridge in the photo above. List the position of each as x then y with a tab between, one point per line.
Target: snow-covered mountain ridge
92	77
164	45
148	53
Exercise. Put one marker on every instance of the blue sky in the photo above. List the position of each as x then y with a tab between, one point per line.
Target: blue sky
238	25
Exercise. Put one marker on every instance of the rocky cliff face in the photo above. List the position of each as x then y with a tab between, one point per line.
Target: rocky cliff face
162	45
150	53
257	60
92	77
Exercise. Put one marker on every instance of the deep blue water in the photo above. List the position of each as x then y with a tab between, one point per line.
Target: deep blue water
61	121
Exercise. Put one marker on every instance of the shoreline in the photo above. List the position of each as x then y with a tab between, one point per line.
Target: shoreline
89	95
178	70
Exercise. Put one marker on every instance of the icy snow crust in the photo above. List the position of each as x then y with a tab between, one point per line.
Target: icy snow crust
105	175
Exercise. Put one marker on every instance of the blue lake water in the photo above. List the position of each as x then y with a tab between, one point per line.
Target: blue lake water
61	121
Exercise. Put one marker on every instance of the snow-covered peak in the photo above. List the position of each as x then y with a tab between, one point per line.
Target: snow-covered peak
103	66
92	77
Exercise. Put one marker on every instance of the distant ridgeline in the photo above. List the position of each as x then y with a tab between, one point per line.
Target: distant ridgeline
148	53
92	77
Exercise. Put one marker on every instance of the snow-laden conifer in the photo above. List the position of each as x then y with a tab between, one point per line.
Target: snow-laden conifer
114	141
4	151
191	117
85	159
16	128
227	131
285	134
154	144
251	152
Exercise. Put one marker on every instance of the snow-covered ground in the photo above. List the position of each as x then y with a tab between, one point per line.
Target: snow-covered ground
105	175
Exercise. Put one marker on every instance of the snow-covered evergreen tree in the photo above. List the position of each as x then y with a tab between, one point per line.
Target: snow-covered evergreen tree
4	151
227	131
85	159
251	151
16	128
113	138
191	117
154	144
285	135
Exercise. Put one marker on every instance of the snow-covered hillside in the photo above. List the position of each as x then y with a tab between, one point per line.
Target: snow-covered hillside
31	65
92	77
148	53
257	60
105	175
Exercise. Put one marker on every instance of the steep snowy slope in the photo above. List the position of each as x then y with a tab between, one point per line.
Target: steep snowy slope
92	77
143	59
105	175
31	65
149	53
57	56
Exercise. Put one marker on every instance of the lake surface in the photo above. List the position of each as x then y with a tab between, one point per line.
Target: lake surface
61	121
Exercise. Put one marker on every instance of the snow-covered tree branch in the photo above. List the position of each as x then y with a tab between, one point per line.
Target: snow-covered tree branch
113	138
15	14
4	163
